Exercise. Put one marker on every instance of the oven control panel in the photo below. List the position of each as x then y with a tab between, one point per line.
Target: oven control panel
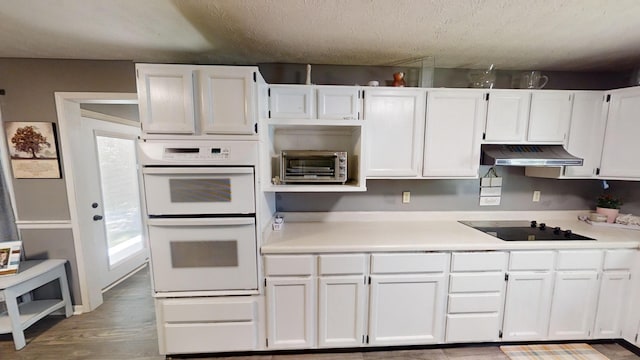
167	152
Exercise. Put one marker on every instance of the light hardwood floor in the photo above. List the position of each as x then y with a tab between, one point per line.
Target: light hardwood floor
124	328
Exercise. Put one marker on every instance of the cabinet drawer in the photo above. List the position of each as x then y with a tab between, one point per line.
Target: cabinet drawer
465	328
480	282
479	261
474	303
409	263
342	264
203	310
288	265
209	337
531	260
619	259
579	260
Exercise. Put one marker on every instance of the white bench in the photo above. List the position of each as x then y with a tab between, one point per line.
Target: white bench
31	275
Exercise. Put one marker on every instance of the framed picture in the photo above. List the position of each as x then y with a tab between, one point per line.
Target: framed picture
9	257
33	150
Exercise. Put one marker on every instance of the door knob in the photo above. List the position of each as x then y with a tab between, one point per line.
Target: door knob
97	217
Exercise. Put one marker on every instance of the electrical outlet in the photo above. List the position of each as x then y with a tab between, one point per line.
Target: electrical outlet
406	197
536	196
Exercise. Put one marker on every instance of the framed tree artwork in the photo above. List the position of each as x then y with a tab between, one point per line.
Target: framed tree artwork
33	150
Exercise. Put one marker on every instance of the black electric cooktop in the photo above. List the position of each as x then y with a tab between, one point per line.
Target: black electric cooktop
524	231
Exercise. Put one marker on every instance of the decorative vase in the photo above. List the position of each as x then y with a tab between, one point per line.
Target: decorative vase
612	214
398	79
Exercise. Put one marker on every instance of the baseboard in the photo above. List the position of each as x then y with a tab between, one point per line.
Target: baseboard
629	346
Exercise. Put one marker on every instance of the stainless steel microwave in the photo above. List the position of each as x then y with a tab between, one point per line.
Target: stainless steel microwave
313	166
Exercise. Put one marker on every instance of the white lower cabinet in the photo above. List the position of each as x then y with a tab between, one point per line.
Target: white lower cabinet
406	309
528	298
615	291
476	296
290	292
575	294
341	300
407	298
202	325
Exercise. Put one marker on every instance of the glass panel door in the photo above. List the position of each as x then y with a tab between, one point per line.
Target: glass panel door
120	197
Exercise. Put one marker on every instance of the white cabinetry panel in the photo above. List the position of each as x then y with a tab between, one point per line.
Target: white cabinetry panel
574	305
549	117
453	133
290	312
406	309
341	310
290	102
338	102
621	145
614	289
165	98
528	300
507	116
395	123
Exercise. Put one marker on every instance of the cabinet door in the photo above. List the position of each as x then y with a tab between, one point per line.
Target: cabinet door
549	116
226	100
453	133
338	102
507	116
290	102
614	289
290	314
395	122
526	312
621	145
165	98
407	309
574	305
586	132
341	305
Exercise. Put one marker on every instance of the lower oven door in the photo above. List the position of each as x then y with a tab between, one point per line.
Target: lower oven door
203	254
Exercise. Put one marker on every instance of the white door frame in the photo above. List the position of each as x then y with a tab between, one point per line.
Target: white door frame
68	108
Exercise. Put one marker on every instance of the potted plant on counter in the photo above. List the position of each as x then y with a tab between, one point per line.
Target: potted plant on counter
608	205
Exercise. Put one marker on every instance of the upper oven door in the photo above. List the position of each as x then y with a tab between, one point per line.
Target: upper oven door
199	190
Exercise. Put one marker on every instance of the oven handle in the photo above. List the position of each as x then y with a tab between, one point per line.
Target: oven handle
201	221
197	170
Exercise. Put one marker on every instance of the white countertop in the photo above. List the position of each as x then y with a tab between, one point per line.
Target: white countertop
428	231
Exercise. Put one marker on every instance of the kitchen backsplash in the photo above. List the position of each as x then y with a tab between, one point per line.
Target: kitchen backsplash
463	195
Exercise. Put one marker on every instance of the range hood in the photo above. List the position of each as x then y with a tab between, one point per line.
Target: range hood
528	155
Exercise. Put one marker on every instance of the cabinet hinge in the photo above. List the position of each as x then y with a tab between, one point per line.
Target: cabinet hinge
589	333
367	339
255	127
255	77
269	92
363	339
363	94
484	136
597	171
267	340
608	97
369	280
500	334
486	97
269	114
265	282
636	338
506	277
137	75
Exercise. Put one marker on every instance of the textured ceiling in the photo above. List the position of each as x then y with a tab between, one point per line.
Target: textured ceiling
512	34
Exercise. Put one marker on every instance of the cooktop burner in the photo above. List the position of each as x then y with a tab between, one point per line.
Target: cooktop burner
524	231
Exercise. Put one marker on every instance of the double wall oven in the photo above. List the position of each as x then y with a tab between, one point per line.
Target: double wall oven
201	218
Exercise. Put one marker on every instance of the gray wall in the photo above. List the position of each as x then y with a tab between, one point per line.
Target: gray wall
30	85
463	195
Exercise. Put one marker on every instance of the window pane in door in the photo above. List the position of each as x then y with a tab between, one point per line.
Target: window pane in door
120	196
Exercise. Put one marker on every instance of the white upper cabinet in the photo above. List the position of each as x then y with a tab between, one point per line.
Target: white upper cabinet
507	116
226	100
453	133
338	102
549	116
165	98
621	146
290	102
536	117
395	123
314	102
586	132
224	97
